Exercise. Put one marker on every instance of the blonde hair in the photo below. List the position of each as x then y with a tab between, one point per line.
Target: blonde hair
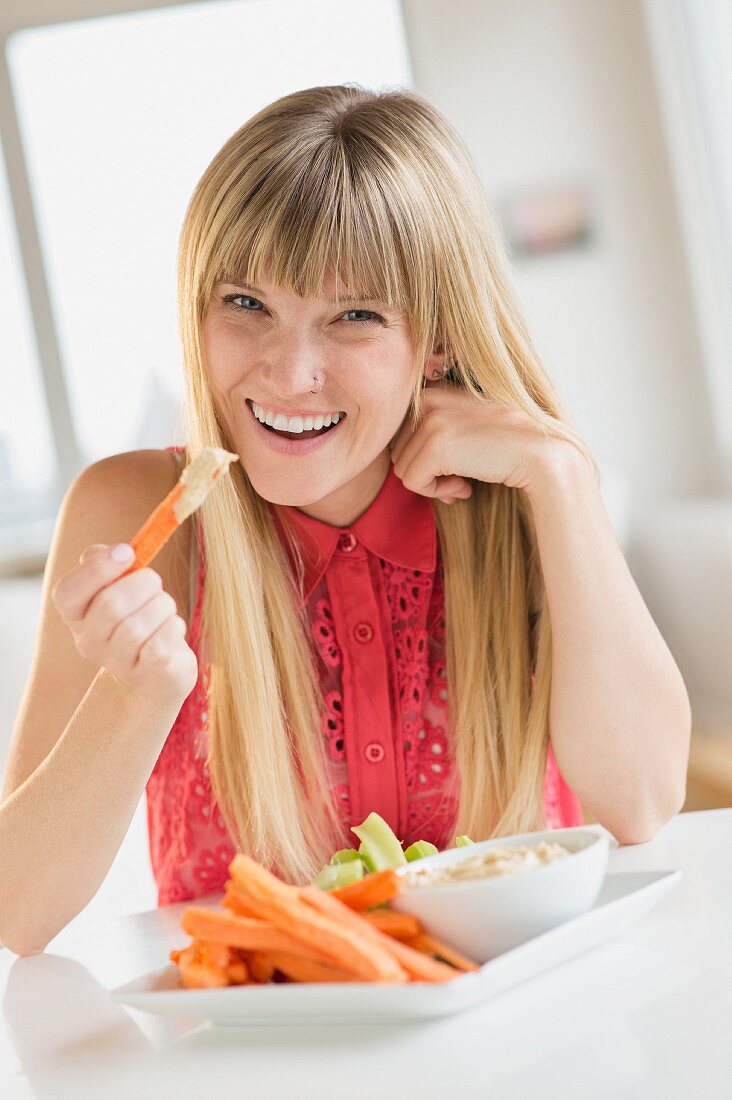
378	188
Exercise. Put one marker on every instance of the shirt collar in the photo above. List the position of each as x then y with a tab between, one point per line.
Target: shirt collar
398	525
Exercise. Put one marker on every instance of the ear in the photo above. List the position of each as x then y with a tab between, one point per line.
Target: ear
436	363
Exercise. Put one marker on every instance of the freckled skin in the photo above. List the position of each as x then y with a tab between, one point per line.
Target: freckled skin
269	348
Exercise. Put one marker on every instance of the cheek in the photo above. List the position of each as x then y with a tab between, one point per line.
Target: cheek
228	358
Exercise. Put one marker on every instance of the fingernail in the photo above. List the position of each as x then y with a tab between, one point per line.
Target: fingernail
122	552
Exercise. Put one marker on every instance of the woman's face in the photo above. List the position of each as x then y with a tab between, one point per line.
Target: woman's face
267	345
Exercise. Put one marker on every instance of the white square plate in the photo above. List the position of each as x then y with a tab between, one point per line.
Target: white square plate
623	899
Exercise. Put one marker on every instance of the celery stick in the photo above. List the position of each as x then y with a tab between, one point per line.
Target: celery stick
350	871
379	843
326	879
344	855
462	841
364	855
419	850
340	874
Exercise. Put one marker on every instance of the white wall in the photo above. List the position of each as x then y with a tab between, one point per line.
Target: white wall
547	92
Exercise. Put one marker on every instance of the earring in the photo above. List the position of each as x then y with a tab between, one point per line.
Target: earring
439	372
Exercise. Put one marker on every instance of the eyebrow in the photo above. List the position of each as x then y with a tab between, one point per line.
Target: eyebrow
344	298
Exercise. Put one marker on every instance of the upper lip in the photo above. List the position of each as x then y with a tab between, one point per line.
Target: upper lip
275	409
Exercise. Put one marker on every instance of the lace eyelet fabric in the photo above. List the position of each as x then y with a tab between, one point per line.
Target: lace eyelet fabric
375	603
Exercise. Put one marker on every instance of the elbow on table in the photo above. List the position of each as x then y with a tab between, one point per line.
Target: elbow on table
22	946
635	836
641	830
22	942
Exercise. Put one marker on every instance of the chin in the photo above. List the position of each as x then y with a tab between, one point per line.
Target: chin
292	495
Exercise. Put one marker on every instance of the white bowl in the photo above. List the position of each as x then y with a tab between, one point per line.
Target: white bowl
484	917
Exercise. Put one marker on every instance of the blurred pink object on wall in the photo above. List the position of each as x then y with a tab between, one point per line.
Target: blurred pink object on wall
548	221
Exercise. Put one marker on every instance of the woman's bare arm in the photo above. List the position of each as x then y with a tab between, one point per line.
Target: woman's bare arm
84	743
61	829
620	716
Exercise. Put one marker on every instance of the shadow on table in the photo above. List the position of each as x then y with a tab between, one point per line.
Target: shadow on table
67	1033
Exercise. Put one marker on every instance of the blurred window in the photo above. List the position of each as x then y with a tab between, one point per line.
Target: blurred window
119	117
691	43
26	452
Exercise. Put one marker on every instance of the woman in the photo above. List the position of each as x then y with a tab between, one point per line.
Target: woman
422	612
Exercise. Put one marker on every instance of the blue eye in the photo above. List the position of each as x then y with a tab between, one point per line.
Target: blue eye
373	316
232	299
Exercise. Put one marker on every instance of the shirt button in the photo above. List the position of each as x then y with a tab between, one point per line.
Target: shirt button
346	541
363	632
374	752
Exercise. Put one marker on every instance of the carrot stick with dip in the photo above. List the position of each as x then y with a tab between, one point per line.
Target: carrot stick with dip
188	494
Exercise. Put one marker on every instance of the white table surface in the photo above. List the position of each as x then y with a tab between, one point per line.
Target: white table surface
647	1014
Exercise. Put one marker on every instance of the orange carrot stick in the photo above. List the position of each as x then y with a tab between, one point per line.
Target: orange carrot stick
235	931
371	890
431	946
416	964
156	530
237	903
261	967
201	976
197	974
218	954
203	963
283	905
187	494
301	969
238	972
402	926
419	966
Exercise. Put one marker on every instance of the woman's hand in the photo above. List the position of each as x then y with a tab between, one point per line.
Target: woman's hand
127	624
461	437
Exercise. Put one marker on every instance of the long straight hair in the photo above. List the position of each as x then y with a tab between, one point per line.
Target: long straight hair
378	188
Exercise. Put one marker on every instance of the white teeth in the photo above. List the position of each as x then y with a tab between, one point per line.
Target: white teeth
282	423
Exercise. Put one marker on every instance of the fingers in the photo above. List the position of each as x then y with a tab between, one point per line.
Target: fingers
161	645
120	599
90	551
443	487
452	486
132	634
127	624
75	591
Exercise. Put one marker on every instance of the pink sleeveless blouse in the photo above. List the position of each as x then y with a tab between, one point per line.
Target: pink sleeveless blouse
375	601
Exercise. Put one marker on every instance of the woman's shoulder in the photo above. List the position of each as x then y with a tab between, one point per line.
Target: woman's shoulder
133	483
134	480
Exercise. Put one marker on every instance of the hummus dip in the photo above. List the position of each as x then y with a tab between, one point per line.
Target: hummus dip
496	861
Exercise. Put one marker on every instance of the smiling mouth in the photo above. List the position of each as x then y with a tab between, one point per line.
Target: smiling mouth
309	434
